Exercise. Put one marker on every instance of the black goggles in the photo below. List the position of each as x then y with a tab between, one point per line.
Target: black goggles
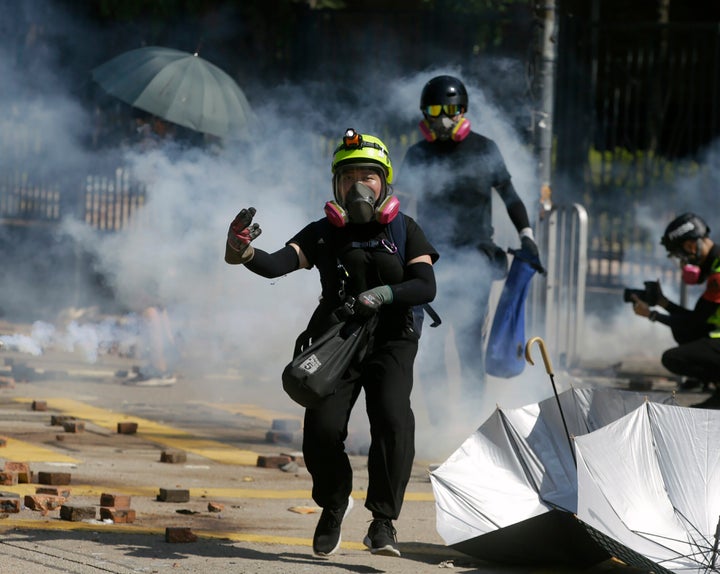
449	110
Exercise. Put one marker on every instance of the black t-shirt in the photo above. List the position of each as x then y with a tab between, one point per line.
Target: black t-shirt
355	258
453	182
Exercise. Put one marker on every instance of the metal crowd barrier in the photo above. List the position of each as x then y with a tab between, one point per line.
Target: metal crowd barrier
556	309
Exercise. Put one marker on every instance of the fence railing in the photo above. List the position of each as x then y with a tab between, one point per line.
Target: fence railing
557	299
105	203
22	200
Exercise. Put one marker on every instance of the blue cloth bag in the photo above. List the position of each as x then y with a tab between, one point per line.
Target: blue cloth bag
505	355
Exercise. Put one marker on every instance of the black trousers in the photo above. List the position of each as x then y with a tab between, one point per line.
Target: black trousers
699	359
387	378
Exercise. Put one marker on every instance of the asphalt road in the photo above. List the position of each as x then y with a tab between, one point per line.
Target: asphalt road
267	515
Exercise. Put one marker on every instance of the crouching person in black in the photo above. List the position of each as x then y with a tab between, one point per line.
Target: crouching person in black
697	331
354	251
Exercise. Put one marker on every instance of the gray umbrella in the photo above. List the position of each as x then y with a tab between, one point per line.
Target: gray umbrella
179	87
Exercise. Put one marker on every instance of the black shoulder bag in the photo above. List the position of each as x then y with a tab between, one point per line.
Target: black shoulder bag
318	367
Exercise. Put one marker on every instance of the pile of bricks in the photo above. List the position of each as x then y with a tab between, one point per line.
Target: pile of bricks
116	507
14	473
50	495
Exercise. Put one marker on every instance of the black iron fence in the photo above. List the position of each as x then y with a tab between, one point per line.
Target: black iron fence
106	203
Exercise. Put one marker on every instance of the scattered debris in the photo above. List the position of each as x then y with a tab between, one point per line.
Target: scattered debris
173	456
215	507
174	495
305	509
179	535
77	513
127	428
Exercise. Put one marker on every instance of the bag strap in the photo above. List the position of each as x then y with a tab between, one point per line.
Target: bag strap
397	233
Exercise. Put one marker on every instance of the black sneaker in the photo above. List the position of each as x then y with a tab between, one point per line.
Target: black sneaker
326	539
381	538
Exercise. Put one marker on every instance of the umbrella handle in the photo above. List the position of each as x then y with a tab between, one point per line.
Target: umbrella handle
543	352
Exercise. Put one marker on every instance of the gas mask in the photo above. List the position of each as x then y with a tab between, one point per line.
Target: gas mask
360	203
442	126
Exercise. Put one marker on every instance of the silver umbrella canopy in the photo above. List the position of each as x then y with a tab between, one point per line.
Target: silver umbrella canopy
649	488
509	493
179	87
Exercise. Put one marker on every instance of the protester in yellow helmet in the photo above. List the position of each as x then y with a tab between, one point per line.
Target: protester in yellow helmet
356	253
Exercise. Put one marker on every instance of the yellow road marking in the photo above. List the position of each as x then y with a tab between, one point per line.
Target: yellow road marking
165	435
206	493
155	432
254	411
17	525
28	452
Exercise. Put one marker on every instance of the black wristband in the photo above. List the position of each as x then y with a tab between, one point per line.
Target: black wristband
653	316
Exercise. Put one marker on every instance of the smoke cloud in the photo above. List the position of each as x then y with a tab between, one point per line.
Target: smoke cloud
230	320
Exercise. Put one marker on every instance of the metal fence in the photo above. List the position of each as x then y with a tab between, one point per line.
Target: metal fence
106	203
557	299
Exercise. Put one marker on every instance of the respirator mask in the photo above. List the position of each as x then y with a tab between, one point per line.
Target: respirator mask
360	203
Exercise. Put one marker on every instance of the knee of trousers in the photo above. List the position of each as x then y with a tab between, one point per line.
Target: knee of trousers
671	359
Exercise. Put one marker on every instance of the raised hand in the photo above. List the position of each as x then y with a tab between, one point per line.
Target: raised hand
242	231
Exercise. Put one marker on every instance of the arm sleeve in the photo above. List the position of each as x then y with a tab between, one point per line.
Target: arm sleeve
514	205
418	287
272	265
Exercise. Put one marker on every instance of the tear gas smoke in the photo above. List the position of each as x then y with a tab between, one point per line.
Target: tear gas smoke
233	321
230	319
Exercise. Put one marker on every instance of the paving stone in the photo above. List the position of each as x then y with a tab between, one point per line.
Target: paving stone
174	495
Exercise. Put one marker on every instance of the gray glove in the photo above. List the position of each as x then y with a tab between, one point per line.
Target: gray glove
369	301
241	233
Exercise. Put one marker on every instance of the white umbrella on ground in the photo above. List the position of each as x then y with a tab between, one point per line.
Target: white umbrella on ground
649	488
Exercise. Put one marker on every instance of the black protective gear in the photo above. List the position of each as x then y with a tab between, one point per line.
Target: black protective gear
418	287
271	265
528	246
444	90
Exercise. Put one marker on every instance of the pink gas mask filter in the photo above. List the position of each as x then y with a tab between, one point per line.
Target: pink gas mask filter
691	274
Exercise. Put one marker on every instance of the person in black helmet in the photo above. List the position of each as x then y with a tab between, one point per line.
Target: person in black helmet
354	251
451	173
697	331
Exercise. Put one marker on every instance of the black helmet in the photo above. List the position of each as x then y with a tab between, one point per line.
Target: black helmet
684	227
444	90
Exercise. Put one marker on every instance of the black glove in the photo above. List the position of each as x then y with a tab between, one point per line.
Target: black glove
241	233
529	252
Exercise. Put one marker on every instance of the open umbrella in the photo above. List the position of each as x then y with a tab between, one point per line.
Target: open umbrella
179	87
509	493
649	488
